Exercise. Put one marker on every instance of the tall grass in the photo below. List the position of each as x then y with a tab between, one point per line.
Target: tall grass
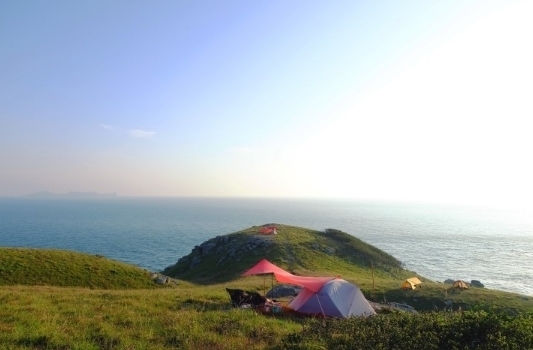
22	266
64	300
200	317
185	318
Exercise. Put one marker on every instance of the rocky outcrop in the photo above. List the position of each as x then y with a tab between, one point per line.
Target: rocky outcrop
477	283
327	250
226	247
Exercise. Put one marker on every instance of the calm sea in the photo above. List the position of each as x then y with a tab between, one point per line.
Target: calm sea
439	242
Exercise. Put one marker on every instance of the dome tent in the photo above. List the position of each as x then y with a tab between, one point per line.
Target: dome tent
411	283
460	284
336	298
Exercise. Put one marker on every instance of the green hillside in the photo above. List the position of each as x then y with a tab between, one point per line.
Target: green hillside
68	269
299	250
307	252
65	300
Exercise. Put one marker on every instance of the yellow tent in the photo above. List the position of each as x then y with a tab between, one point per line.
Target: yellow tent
411	283
460	284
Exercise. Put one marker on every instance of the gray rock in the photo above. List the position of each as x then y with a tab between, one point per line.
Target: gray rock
283	290
330	251
195	261
402	307
449	281
207	247
477	283
162	280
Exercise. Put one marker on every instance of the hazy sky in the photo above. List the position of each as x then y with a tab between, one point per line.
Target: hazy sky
423	100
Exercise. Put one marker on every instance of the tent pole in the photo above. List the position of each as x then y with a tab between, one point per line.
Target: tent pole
320	304
373	284
272	281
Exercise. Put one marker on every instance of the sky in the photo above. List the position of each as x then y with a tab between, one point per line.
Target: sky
396	100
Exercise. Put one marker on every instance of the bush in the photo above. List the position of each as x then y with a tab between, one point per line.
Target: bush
398	331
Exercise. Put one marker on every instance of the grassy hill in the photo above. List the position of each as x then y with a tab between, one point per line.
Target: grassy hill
330	252
299	250
65	300
68	269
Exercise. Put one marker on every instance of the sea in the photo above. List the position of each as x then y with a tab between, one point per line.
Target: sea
437	241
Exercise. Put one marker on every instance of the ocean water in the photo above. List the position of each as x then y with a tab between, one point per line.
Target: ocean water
439	242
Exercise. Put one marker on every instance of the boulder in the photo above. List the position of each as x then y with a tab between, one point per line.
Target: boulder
449	281
477	283
283	290
162	279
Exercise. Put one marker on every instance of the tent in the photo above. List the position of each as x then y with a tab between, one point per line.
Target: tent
268	230
336	298
266	267
411	283
282	276
328	296
460	284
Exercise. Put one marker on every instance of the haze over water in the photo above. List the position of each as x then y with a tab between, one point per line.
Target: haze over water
439	242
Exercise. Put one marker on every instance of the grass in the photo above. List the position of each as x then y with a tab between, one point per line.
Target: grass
187	317
65	300
68	269
302	251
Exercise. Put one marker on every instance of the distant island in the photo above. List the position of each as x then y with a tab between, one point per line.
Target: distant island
47	194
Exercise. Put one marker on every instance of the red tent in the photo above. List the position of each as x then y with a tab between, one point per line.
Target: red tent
312	283
268	230
264	267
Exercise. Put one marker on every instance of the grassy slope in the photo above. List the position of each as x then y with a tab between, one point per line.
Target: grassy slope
305	252
187	317
68	269
191	316
302	251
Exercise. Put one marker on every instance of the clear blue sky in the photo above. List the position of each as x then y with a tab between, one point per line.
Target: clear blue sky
357	99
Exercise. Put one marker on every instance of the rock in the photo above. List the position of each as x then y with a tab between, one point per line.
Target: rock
162	279
207	247
283	290
330	251
195	261
477	283
402	307
449	281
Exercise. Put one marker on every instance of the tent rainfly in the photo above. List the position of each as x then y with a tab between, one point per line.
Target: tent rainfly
460	284
411	283
266	267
